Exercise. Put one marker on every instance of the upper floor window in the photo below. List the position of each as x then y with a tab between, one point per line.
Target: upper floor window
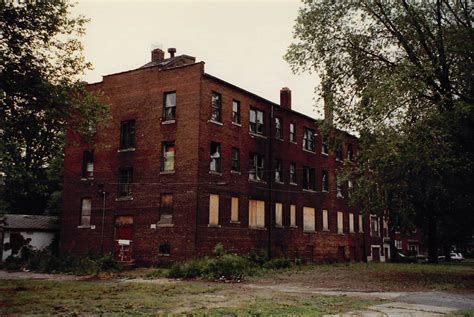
339	153
324	145
374	226
88	164
257	124
350	187
325	181
350	153
278	128
127	134
278	171
256	164
292	132
235	160
167	157
308	139
125	179
169	106
339	189
166	209
292	173
308	178
215	165
236	111
86	208
216	104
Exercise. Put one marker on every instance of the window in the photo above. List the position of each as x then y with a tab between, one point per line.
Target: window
292	132
340	222
125	179
256	165
86	207
236	111
339	153
350	186
350	153
361	224
292	173
398	244
374	226
325	220
256	213
339	189
308	178
351	222
278	215
278	128
166	209
308	219
127	134
308	140
216	105
278	171
257	124
215	153
234	211
213	210
88	164
324	146
325	181
235	160
169	109
167	157
164	249
292	215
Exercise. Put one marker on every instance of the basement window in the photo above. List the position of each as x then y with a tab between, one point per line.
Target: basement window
164	249
215	154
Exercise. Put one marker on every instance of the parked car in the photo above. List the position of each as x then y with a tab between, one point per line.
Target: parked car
456	256
407	258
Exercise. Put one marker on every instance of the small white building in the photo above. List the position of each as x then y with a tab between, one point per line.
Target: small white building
17	231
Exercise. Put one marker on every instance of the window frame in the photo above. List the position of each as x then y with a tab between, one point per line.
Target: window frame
214	213
279	215
324	145
217	159
293	216
278	171
124	188
216	107
235	160
88	164
166	117
83	216
278	128
164	158
308	139
292	172
257	127
292	132
256	218
325	181
166	211
340	222
350	152
127	134
234	209
236	117
325	220
309	178
309	219
257	169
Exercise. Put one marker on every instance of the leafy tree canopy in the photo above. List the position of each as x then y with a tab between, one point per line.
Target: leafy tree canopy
401	74
41	96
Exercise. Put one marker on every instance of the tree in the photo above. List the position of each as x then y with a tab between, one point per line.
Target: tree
41	97
400	73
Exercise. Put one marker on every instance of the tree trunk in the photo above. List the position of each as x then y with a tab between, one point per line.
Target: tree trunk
432	240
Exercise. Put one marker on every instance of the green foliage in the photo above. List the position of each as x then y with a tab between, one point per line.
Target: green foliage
400	74
41	97
276	264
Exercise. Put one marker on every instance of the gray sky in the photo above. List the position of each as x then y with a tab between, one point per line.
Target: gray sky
242	42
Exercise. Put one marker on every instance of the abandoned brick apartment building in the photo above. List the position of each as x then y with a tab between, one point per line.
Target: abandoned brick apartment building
187	160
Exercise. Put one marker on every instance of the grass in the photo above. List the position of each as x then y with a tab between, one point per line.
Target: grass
462	313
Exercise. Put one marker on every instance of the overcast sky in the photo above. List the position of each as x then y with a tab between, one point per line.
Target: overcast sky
242	42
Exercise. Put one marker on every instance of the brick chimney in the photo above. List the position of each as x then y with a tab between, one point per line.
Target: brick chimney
328	103
285	98
157	55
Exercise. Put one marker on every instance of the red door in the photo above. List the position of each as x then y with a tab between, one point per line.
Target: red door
123	238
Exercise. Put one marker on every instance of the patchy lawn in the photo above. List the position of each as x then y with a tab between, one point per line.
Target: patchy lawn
198	298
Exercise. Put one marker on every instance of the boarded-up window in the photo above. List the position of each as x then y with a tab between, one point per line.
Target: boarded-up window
308	219
351	222
293	215
361	224
278	214
86	205
234	212
325	220
340	222
256	213
214	209
166	209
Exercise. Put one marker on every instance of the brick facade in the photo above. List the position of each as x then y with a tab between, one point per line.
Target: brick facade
139	95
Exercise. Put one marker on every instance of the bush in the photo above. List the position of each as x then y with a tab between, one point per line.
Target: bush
259	257
277	264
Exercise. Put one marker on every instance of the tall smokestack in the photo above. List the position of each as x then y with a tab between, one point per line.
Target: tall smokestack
328	102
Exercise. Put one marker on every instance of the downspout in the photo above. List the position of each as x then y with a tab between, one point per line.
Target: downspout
270	182
104	193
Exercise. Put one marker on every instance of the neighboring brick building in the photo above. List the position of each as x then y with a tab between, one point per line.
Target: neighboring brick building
187	160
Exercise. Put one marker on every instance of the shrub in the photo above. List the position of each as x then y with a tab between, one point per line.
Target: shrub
228	266
259	257
277	264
